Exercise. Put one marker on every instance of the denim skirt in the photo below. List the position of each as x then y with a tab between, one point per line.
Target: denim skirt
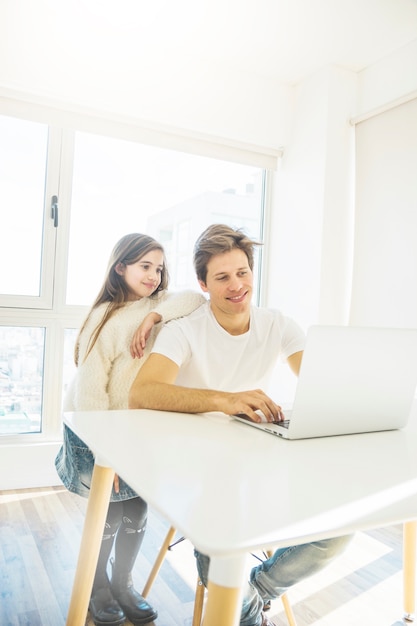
74	464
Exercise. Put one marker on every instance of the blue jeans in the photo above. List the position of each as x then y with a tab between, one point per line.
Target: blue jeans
74	464
287	566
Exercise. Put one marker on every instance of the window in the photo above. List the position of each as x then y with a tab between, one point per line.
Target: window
57	252
121	186
21	375
23	150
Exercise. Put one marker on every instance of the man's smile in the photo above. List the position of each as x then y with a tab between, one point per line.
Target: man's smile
238	298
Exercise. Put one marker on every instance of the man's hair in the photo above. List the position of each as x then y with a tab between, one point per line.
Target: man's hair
218	239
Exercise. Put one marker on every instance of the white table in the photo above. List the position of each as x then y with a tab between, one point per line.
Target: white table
213	478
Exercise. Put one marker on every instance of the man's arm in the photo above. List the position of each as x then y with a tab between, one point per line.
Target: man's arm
154	388
294	361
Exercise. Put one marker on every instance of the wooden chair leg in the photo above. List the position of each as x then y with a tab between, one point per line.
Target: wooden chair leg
288	610
199	593
409	569
198	603
158	562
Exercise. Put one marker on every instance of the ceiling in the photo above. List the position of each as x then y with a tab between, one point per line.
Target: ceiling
283	39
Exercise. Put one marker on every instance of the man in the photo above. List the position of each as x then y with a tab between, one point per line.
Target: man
220	358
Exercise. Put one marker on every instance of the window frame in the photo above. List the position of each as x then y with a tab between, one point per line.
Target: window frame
49	233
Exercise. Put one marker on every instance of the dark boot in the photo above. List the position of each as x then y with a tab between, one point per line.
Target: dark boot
127	545
133	604
104	609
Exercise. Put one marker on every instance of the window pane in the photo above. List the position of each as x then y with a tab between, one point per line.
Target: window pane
23	152
21	379
121	187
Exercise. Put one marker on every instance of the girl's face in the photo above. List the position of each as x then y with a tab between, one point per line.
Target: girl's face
144	276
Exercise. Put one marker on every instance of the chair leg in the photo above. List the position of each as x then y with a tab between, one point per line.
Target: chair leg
199	593
198	603
409	569
159	560
288	610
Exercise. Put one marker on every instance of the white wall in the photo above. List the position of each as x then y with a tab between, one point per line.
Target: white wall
384	282
311	230
310	267
389	79
26	466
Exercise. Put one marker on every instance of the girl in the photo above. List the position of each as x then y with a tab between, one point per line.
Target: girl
133	293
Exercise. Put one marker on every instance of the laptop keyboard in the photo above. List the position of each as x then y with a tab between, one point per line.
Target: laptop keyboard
282	423
286	422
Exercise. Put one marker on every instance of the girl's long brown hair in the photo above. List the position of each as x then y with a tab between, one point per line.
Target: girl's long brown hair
128	250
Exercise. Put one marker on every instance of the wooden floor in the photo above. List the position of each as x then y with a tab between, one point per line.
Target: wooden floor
40	531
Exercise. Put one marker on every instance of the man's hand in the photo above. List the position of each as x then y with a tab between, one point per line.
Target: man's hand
255	405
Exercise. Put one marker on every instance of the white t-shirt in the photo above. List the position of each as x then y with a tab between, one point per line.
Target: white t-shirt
211	358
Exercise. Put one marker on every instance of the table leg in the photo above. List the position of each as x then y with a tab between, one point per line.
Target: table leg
98	504
224	591
223	606
409	572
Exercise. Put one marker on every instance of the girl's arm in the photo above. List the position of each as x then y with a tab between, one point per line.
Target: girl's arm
171	307
139	339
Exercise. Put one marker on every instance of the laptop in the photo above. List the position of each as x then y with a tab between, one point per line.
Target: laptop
352	380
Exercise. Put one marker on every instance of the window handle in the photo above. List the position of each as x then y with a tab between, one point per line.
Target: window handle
54	210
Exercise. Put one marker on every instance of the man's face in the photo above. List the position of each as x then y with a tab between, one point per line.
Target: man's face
229	283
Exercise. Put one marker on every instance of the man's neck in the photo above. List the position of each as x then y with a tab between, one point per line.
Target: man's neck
232	324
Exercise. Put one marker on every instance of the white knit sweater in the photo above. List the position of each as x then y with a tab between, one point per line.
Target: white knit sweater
104	378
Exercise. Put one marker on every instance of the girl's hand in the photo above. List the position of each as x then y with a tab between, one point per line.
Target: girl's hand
139	339
116	483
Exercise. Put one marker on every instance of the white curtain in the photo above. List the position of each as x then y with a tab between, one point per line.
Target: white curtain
384	282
